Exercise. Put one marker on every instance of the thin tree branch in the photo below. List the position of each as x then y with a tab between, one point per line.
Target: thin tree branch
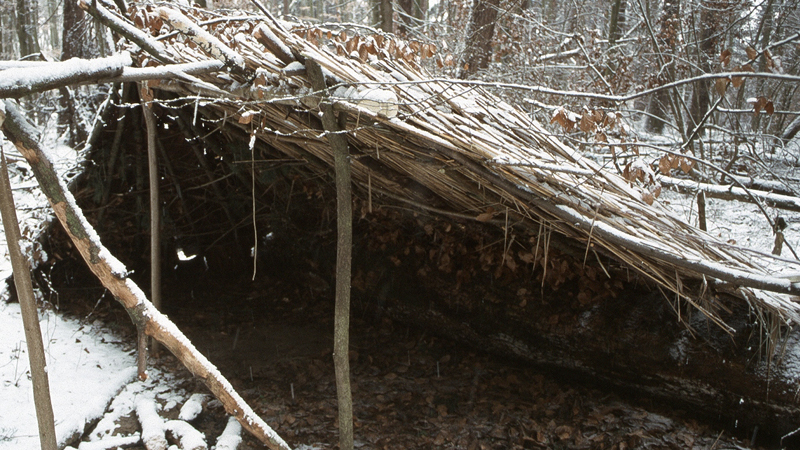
127	29
155	204
580	94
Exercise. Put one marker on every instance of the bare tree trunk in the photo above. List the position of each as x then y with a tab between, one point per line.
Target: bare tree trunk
55	25
667	39
30	316
74	43
765	34
344	247
615	21
412	13
383	15
28	27
480	31
710	21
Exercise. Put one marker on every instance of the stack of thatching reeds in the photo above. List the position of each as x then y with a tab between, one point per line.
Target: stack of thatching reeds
444	145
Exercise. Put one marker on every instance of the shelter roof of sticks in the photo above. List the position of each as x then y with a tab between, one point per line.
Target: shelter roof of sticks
467	151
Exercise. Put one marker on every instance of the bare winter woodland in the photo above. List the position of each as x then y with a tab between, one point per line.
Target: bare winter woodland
699	98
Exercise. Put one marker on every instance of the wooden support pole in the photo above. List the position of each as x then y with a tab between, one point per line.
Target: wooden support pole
146	97
30	316
344	248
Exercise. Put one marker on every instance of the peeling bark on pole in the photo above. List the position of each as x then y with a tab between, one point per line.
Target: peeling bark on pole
30	316
113	275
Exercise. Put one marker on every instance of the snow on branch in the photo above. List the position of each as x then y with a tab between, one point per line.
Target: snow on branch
18	82
203	38
382	102
730	192
127	29
268	39
132	74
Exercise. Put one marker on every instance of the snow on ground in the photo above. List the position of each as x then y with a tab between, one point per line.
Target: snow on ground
86	368
739	223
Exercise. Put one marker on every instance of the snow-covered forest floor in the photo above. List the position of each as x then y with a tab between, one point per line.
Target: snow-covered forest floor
90	366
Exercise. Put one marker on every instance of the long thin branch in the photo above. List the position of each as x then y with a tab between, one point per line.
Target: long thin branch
581	94
155	204
785	202
114	277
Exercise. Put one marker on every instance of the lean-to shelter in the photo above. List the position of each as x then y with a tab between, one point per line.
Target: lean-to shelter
441	144
455	150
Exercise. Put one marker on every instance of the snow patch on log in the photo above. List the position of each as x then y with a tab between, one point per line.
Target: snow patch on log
202	38
382	102
111	442
193	407
153	431
276	46
231	436
187	435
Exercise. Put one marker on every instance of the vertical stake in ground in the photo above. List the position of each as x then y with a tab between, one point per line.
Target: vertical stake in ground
30	317
146	97
344	246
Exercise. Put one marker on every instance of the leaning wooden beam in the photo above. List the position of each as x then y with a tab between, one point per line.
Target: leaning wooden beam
114	277
30	316
20	81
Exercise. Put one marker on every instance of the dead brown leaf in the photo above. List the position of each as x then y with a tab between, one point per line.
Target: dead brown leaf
725	57
486	216
720	85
